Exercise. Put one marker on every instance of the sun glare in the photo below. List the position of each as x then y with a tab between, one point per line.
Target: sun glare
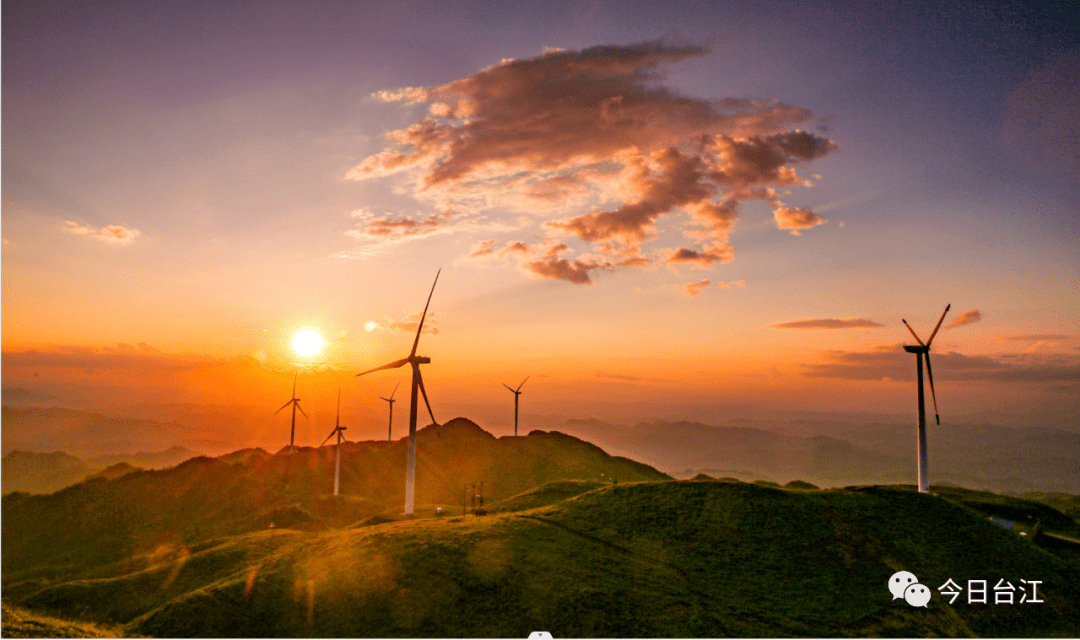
307	342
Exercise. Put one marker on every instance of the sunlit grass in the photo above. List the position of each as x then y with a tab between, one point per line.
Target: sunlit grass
685	559
21	623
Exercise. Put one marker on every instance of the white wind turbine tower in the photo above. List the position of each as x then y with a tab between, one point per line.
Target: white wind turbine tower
295	402
517	394
417	383
390	429
340	436
921	351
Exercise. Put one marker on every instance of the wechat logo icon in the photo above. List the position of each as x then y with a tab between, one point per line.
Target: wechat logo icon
904	584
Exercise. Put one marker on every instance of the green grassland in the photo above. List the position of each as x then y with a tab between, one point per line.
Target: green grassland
654	559
190	551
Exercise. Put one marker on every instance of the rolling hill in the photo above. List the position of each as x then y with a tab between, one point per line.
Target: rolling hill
643	559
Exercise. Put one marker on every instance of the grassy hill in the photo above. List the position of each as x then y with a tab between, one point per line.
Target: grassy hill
652	559
252	544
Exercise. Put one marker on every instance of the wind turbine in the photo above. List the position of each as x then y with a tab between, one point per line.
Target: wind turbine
517	393
340	436
417	383
390	429
295	402
920	351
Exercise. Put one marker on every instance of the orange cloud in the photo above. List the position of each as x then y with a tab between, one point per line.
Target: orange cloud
893	363
567	126
408	324
691	289
795	219
701	259
1034	337
483	249
111	233
562	269
401	227
966	317
828	323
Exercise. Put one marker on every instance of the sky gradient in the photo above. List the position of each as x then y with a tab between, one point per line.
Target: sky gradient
654	213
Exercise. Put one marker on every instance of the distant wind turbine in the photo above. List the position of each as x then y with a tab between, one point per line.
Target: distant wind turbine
340	436
390	429
517	393
295	402
923	350
417	383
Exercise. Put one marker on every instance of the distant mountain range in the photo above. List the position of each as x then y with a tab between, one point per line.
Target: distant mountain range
825	449
84	433
975	456
49	472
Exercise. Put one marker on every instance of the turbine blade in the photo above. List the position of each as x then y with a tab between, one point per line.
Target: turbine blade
423	316
298	407
911	330
423	392
391	398
393	365
382	398
523	382
337	420
283	406
509	387
931	339
329	436
294	383
930	374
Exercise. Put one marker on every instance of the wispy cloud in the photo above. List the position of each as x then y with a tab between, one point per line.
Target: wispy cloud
692	289
111	234
574	127
1033	337
408	324
624	377
966	317
828	323
892	362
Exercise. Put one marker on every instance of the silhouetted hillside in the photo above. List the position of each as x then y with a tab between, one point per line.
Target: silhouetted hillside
102	521
113	472
146	459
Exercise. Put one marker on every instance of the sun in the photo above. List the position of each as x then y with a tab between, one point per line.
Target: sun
307	342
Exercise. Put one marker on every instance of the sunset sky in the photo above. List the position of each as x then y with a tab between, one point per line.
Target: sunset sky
669	213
